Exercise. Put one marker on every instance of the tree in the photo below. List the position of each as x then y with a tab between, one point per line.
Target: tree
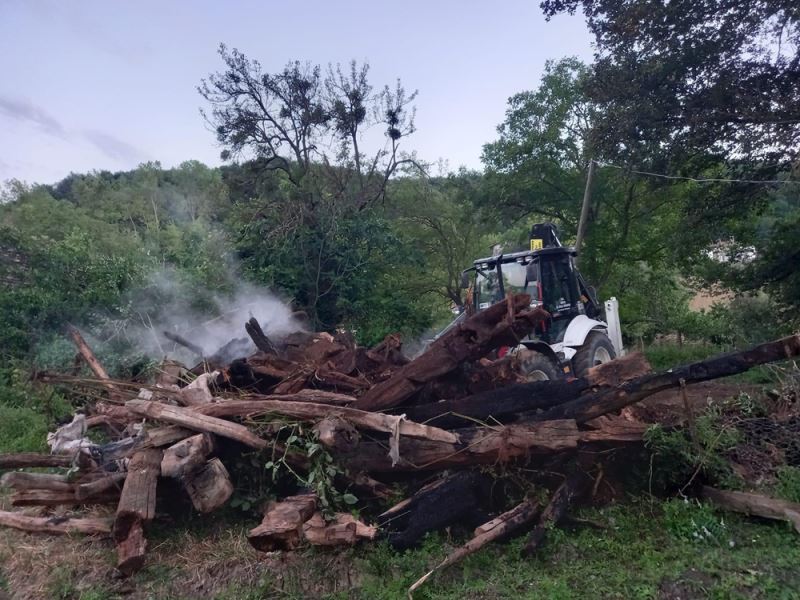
693	82
310	128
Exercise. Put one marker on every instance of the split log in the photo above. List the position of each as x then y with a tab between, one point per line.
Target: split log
489	532
57	525
194	420
343	530
209	487
187	455
573	486
606	401
310	411
138	501
27	460
479	445
282	526
502	324
258	336
755	504
131	550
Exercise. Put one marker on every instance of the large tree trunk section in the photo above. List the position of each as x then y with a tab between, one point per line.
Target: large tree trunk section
502	324
755	504
575	485
282	526
495	529
600	403
55	525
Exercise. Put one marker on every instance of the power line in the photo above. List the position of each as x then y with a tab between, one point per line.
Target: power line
697	179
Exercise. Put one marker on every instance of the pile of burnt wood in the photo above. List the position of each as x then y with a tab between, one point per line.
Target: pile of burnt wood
455	435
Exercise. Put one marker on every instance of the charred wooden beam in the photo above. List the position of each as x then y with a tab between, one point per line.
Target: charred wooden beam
506	403
606	401
498	528
573	486
502	324
258	336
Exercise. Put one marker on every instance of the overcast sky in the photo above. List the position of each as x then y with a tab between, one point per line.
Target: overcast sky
107	85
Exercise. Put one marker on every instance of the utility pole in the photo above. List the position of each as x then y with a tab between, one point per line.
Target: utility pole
587	200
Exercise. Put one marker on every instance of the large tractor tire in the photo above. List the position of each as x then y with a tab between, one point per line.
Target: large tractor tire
535	366
596	350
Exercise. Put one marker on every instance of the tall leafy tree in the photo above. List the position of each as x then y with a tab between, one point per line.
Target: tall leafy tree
311	126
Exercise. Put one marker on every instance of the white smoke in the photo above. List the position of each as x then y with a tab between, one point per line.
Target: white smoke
168	304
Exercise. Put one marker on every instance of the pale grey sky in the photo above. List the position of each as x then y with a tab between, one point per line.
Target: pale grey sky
106	85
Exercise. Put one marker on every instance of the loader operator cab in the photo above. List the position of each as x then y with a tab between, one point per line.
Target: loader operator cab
546	273
572	338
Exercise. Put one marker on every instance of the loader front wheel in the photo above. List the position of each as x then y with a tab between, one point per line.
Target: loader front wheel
596	350
535	366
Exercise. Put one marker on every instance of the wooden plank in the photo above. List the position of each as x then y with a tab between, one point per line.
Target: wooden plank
311	411
138	500
194	420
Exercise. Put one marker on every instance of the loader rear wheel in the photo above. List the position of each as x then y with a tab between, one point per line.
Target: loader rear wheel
535	366
596	350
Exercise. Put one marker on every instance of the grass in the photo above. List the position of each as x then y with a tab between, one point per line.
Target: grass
647	549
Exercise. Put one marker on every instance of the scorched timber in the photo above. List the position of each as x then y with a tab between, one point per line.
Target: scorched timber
506	402
503	324
606	401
